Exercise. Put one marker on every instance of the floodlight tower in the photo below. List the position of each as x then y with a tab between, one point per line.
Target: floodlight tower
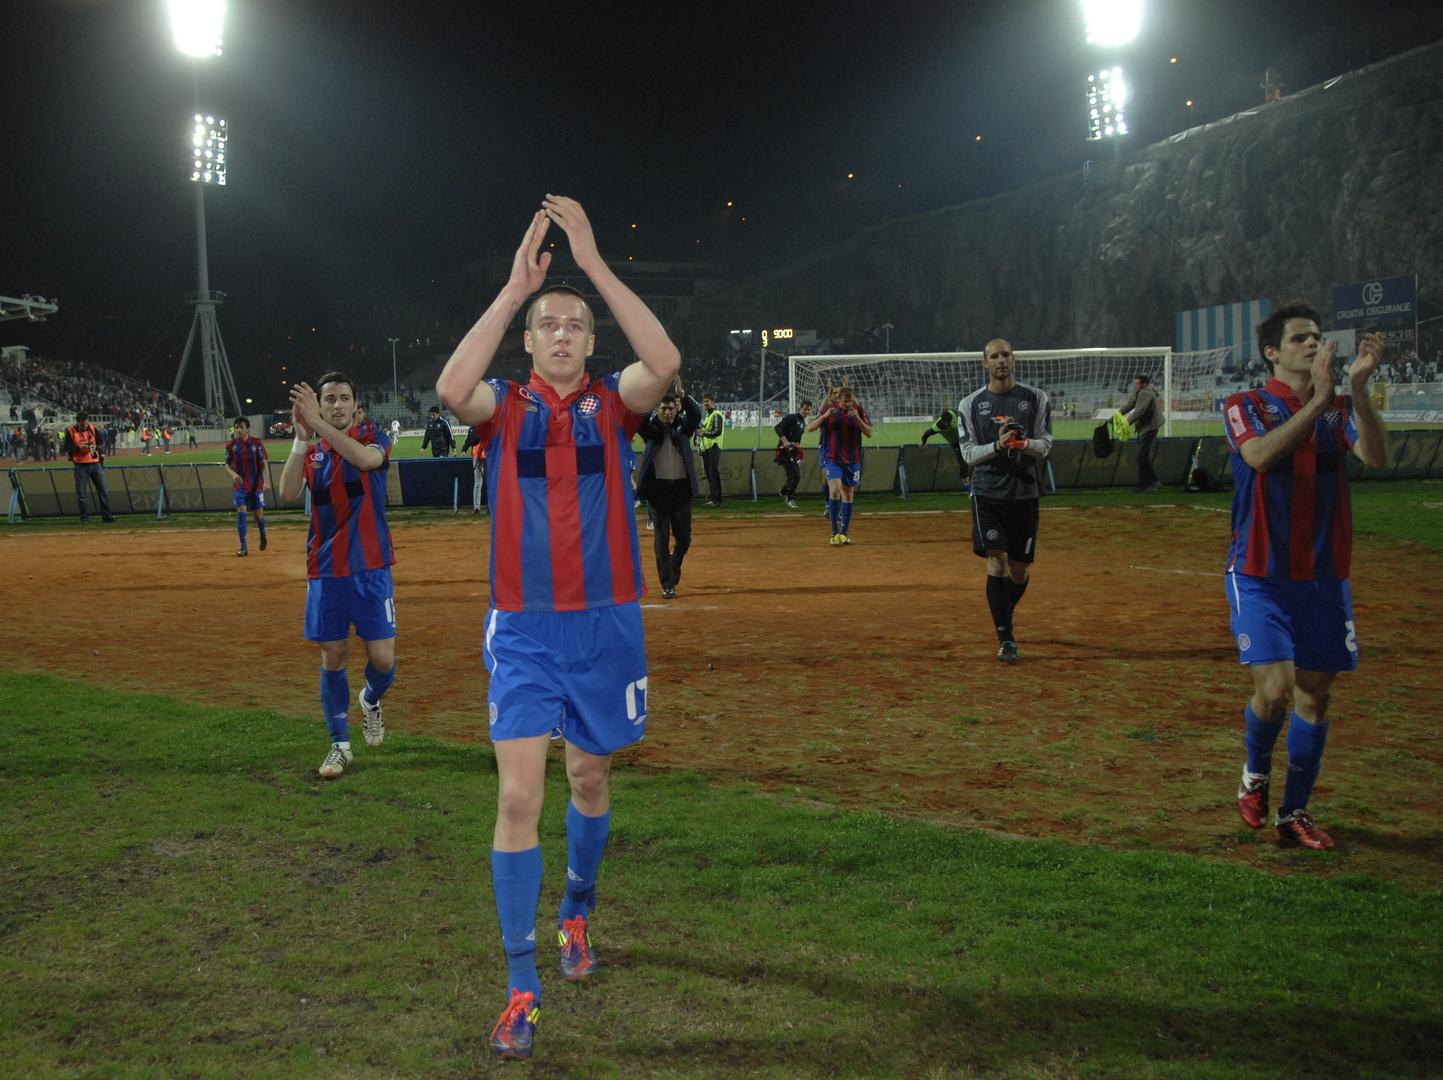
197	25
1110	24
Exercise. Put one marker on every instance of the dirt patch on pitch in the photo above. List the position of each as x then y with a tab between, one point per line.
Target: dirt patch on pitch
864	676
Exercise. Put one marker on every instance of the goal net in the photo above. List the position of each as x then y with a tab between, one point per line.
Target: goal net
904	392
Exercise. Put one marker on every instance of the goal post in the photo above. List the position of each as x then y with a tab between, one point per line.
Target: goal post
904	392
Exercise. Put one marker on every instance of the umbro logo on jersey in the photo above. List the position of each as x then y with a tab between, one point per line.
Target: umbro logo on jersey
984	407
588	404
317	458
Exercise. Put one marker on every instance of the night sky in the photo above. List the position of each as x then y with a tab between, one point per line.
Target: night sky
377	149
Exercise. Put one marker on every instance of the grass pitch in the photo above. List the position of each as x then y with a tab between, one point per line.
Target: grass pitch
181	896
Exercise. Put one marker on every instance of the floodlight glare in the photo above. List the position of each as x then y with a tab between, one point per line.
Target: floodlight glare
1107	94
1112	22
197	26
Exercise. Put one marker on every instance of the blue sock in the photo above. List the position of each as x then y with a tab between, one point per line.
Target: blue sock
1305	757
240	526
585	841
378	681
516	879
832	505
335	701
846	516
1260	736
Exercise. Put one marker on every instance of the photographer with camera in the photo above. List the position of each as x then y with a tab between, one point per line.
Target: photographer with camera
789	431
82	445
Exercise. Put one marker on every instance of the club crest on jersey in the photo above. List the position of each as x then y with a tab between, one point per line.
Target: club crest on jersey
1024	406
1244	642
1331	417
588	404
992	534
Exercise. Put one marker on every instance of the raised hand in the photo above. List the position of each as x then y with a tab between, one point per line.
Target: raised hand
305	410
568	214
528	268
1370	355
1322	371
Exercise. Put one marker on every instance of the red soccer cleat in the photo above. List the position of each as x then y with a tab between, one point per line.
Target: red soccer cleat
1298	828
514	1034
578	958
1253	799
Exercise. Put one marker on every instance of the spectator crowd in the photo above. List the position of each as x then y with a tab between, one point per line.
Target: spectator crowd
44	394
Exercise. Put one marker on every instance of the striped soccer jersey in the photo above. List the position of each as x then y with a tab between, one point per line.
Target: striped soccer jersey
1294	522
841	435
563	528
247	457
349	534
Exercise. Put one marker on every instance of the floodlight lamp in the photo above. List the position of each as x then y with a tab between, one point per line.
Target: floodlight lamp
208	144
197	26
1112	22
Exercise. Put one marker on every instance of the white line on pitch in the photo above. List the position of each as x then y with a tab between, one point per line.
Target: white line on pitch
1165	570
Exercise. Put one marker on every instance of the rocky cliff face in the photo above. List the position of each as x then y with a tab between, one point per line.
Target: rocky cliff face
1339	183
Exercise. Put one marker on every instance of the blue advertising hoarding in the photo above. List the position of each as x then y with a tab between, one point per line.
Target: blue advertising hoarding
1388	305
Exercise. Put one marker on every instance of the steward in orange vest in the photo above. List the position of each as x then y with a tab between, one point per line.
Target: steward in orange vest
82	444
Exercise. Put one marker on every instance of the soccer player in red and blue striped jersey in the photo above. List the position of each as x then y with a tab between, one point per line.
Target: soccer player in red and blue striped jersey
563	639
1289	600
245	460
348	553
842	424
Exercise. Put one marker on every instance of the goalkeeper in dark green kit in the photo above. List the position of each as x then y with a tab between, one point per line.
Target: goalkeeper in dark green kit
946	426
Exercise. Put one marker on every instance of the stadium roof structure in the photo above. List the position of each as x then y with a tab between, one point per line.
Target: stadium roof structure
33	308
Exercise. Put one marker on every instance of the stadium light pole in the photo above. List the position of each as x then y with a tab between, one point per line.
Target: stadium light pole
395	385
197	28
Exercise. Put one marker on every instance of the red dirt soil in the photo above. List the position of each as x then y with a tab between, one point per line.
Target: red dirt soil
862	676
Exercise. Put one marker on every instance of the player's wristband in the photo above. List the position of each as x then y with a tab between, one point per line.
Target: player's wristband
298	443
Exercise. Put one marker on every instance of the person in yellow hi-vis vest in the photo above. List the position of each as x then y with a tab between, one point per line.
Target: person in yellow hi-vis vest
713	428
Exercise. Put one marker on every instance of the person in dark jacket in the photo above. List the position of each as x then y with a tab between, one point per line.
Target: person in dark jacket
789	431
438	434
666	479
1144	412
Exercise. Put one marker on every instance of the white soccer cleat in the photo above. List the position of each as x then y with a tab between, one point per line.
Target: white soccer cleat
335	763
375	727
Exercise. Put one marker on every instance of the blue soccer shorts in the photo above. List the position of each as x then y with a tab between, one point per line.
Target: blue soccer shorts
580	675
365	600
1307	622
849	475
251	500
